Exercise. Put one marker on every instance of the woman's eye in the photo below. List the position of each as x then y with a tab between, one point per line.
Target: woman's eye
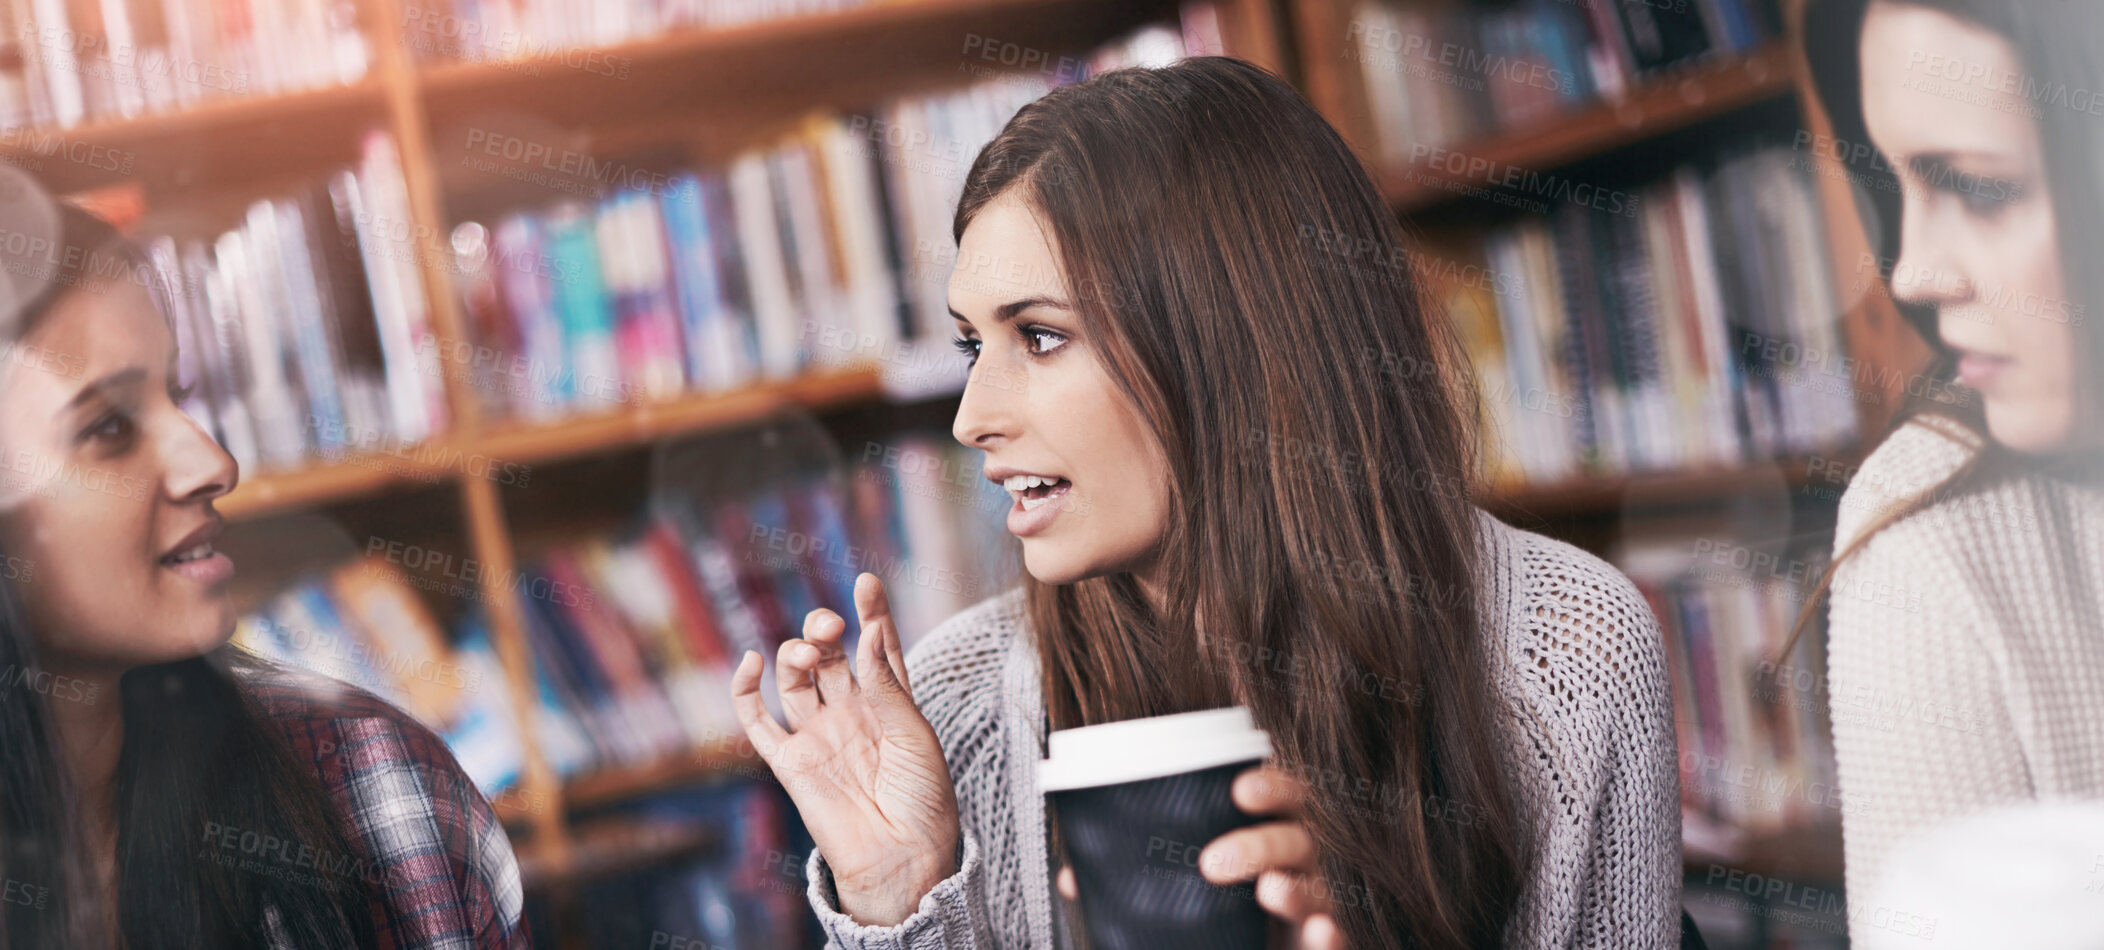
1988	198
114	426
967	346
1043	341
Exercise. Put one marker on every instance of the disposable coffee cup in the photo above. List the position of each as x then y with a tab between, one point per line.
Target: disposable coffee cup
1136	802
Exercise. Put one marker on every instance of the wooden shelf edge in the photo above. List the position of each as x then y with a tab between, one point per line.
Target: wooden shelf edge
444	459
457	76
217	115
722	758
355	477
1664	489
1810	854
1672	100
729	757
610	847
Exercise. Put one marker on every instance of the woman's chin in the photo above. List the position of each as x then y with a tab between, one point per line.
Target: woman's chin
200	636
2031	429
1051	566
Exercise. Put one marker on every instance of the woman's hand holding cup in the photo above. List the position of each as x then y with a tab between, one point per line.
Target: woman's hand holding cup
859	760
1280	855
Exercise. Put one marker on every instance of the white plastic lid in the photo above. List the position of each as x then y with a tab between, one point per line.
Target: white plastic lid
1135	750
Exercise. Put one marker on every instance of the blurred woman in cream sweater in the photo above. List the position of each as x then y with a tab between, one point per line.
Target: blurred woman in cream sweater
1967	623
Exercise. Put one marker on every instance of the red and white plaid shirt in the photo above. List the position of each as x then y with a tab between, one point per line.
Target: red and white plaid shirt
433	849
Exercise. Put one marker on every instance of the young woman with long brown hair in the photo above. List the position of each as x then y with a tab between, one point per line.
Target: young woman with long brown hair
1966	653
1240	461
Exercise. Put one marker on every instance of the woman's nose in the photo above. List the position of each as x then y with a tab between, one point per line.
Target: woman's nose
1928	270
986	413
196	467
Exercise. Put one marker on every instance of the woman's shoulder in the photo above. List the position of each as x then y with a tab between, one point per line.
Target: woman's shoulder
321	717
1537	587
402	795
1907	471
1574	633
972	643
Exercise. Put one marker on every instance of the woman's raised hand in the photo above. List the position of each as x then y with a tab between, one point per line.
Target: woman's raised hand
859	760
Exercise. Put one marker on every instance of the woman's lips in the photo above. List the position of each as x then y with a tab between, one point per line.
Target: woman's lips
213	568
1028	516
1981	372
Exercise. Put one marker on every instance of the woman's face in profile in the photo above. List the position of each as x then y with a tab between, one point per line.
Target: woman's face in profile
1942	98
1087	480
106	488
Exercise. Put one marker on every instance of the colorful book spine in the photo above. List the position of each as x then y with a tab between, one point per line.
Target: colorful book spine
1700	330
306	328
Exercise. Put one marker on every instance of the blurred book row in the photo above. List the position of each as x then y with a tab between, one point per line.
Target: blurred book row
826	248
1439	74
1688	323
633	631
305	326
1751	728
304	329
747	893
1756	754
66	63
476	30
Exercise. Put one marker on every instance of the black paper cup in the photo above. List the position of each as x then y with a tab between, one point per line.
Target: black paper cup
1136	803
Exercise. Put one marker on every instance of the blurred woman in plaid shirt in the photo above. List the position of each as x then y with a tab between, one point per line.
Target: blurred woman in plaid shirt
156	788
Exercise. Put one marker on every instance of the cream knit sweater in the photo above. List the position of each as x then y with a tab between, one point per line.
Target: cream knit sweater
1588	718
1966	651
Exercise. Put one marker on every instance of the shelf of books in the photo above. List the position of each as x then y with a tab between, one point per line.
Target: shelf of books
1644	262
1417	173
425	261
443	459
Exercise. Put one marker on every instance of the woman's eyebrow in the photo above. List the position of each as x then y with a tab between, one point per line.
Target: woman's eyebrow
1008	311
108	386
1935	164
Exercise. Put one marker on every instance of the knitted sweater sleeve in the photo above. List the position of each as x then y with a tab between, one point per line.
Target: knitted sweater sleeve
1922	732
1593	751
954	669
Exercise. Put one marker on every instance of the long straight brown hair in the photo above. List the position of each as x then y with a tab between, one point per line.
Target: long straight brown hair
1246	285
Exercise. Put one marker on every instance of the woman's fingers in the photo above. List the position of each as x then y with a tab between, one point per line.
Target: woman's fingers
1268	790
1289	895
1243	853
1320	932
873	612
825	630
793	662
767	735
1067	888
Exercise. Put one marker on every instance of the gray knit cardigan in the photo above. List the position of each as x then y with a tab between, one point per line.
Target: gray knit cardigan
1587	715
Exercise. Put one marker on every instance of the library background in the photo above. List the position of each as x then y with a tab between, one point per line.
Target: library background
569	349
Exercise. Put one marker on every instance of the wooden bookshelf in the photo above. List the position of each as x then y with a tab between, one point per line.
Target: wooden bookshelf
448	457
694	90
1657	490
749	71
1653	117
1809	854
220	141
609	847
1666	103
725	758
733	84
